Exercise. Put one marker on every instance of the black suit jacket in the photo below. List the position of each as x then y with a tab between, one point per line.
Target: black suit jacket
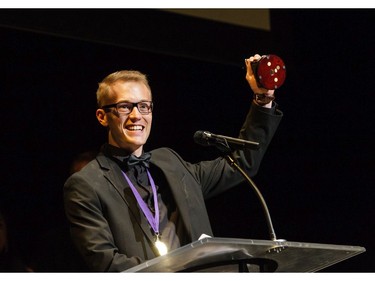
106	223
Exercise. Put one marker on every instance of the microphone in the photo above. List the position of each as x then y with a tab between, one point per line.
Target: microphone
206	139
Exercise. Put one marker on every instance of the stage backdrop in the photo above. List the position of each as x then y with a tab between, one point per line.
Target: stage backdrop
317	176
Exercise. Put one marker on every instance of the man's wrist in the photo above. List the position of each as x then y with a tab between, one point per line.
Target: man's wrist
262	100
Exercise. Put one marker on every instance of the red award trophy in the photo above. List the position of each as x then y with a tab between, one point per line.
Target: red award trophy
269	72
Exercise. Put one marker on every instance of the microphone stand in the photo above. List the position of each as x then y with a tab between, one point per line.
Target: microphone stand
258	193
225	148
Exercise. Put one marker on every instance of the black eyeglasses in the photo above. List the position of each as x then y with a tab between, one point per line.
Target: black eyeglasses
124	108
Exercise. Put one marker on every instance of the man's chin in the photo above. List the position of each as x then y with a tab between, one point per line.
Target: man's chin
134	145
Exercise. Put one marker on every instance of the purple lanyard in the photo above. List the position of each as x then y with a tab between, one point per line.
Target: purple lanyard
153	221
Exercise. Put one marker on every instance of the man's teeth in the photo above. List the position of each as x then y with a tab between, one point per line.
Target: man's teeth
135	128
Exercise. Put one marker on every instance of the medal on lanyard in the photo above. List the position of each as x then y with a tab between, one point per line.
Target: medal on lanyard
153	221
162	248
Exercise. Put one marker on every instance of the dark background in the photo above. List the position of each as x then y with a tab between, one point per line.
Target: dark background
317	176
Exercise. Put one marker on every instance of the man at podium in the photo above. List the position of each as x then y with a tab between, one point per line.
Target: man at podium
129	205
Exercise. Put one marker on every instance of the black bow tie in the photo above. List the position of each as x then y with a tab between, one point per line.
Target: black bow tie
132	160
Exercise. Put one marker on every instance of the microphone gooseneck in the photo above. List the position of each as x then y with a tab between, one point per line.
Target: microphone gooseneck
260	196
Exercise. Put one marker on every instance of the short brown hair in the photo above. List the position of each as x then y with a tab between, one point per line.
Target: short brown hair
123	75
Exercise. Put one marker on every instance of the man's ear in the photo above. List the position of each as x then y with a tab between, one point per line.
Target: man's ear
102	117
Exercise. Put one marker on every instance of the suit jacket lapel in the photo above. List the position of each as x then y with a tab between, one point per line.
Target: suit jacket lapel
192	211
175	183
113	174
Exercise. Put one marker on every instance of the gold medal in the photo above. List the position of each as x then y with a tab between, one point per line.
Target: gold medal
162	248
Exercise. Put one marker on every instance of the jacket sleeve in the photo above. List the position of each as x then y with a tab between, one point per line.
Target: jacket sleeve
218	175
260	126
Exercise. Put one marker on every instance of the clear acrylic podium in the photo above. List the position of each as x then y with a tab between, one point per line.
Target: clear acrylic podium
247	255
